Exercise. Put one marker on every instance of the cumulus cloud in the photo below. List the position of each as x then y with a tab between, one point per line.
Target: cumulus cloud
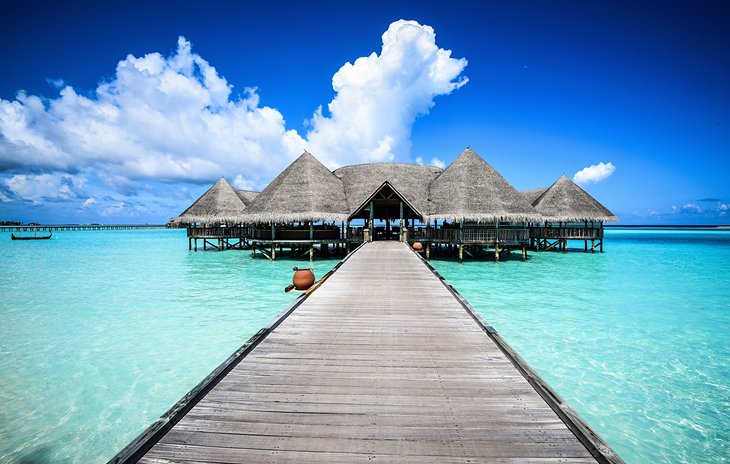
163	118
378	97
45	187
434	162
594	173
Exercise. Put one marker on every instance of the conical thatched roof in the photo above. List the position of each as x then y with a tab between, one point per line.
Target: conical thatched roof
471	190
410	180
304	191
247	196
221	203
532	195
564	201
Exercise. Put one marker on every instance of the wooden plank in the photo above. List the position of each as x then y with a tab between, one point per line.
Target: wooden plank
381	362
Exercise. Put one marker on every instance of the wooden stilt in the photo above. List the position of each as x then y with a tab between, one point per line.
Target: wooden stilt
524	252
428	250
601	245
461	252
496	252
273	251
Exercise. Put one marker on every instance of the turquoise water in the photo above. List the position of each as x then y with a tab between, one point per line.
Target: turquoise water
636	339
102	331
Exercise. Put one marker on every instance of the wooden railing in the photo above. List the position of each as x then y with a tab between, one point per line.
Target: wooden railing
470	235
577	233
219	232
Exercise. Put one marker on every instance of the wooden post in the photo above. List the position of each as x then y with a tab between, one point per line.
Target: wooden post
400	223
371	223
253	251
496	252
273	245
196	243
593	245
601	245
461	252
428	251
524	252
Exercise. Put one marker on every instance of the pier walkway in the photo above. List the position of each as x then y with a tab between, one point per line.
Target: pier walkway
382	363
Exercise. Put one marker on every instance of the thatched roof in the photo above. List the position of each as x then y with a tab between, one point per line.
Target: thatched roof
247	196
471	190
305	191
410	180
564	201
221	203
532	195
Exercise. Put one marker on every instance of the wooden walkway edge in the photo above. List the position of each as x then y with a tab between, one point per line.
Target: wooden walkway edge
384	362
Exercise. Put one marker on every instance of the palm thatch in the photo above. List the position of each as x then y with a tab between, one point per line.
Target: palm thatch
410	180
220	204
247	196
305	191
532	195
564	201
470	190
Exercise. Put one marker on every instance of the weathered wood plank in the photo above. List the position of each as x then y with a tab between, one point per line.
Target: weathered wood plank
380	363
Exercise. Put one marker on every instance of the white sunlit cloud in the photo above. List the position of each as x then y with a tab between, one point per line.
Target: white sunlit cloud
434	162
46	187
176	119
594	173
379	97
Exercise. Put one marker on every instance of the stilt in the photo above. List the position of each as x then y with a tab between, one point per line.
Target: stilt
593	245
461	252
524	252
311	252
601	245
585	243
253	251
196	244
496	252
273	251
428	250
190	243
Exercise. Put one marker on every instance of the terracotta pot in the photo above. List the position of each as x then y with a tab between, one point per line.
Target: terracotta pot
417	246
303	278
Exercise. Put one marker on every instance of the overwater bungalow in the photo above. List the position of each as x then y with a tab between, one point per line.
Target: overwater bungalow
216	217
467	208
568	213
478	210
301	207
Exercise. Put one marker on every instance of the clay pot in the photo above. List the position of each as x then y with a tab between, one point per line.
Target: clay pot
303	278
417	246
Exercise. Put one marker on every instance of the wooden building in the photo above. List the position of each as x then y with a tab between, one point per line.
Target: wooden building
569	213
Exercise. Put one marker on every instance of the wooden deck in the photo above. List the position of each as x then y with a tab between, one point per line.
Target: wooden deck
382	363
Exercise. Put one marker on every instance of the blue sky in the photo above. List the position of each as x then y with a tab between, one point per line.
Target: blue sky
127	111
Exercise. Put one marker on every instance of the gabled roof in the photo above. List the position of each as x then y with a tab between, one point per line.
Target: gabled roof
221	203
532	195
305	191
564	201
471	190
411	181
372	196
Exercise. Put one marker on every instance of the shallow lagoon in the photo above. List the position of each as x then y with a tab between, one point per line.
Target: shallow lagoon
636	339
102	331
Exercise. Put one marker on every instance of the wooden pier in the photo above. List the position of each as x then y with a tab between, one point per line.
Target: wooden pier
383	362
62	227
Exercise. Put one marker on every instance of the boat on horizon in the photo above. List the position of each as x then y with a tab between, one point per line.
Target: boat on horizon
31	237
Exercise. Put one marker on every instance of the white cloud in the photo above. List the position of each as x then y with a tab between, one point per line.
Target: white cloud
176	118
594	173
45	187
438	163
88	202
162	118
379	97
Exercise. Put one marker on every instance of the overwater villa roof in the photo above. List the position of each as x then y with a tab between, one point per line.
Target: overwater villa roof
471	190
564	201
305	191
532	195
247	196
411	181
221	203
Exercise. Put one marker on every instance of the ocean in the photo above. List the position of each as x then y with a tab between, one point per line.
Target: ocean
102	331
